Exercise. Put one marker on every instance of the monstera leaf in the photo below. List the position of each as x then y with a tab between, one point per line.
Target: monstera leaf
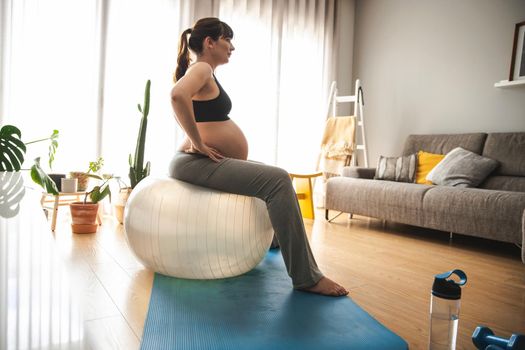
41	178
12	149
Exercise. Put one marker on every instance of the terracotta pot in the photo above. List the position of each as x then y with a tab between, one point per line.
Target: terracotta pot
120	206
84	217
82	178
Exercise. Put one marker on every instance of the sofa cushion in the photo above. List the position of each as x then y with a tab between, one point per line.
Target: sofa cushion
462	168
508	149
504	183
483	213
396	201
444	143
425	163
401	169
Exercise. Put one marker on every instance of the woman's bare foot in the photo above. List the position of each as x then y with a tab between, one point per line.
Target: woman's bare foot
326	286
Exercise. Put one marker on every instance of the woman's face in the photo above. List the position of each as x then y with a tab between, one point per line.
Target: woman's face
222	50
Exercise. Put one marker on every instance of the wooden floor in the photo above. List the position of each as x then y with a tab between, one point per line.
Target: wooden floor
388	268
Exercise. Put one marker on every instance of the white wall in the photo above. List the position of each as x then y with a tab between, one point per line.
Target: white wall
345	50
430	66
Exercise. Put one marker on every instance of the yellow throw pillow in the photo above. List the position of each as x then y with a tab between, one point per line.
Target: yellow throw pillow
426	162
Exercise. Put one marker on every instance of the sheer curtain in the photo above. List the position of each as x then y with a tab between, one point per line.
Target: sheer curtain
51	62
142	39
278	76
49	75
81	67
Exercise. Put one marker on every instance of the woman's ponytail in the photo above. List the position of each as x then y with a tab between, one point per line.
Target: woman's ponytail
183	58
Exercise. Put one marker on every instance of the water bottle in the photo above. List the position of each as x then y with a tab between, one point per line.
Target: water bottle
444	310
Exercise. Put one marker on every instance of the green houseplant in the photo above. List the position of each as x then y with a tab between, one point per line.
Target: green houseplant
83	176
12	156
84	214
137	170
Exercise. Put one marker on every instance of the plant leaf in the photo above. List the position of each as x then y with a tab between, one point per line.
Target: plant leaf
147	169
97	194
133	177
146	98
140	108
53	147
96	165
95	176
41	178
12	149
94	195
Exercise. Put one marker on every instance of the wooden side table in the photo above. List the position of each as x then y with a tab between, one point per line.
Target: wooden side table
52	202
304	189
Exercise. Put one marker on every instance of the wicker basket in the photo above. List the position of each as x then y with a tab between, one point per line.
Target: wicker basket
83	180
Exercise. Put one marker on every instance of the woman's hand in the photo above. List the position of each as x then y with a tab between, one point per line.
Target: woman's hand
210	152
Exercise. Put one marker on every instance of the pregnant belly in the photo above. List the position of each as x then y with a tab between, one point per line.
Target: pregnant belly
226	137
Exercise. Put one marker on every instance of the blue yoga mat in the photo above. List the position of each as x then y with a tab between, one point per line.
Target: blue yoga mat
258	310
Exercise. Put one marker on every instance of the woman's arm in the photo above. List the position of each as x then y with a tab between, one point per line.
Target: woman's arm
186	87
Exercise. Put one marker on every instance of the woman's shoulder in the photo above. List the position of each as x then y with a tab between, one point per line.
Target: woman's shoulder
198	75
200	68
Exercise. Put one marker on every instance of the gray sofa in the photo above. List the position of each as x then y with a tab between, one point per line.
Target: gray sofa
494	210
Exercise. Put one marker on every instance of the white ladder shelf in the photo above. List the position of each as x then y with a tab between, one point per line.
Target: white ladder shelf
334	99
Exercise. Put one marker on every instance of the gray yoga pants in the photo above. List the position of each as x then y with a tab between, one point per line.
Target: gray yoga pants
272	185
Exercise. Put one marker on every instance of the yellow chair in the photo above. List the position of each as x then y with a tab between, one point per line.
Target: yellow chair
304	188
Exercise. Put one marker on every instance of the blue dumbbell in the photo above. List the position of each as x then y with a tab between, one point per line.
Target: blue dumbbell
484	339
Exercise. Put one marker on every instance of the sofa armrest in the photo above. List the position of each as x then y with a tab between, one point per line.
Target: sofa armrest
359	172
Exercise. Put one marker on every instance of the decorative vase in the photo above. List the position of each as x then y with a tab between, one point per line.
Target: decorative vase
84	217
120	205
83	180
69	185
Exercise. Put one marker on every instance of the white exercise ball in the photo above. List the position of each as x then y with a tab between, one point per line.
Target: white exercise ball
182	230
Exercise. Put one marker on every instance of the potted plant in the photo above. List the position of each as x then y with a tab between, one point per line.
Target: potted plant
84	214
137	170
12	156
83	176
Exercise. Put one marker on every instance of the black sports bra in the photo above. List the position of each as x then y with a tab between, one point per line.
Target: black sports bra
214	110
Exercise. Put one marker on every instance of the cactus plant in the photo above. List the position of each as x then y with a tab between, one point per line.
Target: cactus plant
137	171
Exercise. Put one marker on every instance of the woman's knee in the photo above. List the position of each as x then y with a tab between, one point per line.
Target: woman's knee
281	179
279	174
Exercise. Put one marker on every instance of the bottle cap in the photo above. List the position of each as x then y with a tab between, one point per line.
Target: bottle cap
448	288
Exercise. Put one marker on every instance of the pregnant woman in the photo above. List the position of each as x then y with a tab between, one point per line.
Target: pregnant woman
214	153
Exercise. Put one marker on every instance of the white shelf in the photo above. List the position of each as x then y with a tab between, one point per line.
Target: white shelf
506	83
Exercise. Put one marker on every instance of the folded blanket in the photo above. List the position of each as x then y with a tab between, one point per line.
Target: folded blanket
333	166
339	137
337	145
